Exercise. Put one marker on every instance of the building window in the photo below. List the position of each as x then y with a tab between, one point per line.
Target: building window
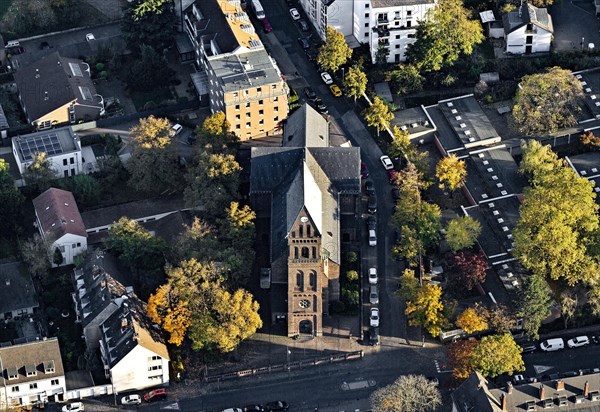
411	36
276	99
366	15
78	244
64	162
54	382
276	119
154	368
308	231
305	252
397	15
235	94
274	87
397	46
237	117
409	12
237	107
301	231
72	161
259	90
367	25
33	385
153	358
248	125
261	121
300	280
237	126
397	36
248	105
248	115
260	102
409	23
66	172
261	112
366	5
366	34
73	246
15	389
276	109
245	92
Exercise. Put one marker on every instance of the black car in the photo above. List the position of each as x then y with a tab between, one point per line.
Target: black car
304	42
303	25
372	223
254	408
321	107
528	348
277	406
310	93
369	187
372	204
373	336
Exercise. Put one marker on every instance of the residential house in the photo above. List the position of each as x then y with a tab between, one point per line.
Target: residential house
32	373
578	393
56	90
17	293
114	320
61	146
528	29
390	23
306	196
236	74
59	223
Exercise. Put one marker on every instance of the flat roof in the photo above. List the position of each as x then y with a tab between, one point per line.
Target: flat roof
251	69
53	142
414	120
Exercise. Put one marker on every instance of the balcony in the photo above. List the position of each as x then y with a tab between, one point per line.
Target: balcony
382	20
382	31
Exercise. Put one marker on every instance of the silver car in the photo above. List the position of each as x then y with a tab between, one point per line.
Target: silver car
373	295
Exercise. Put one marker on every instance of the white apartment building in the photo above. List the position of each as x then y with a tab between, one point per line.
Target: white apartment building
374	22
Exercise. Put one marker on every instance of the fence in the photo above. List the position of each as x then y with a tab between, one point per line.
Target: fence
283	367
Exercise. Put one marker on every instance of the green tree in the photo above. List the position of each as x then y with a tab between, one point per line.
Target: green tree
150	23
36	254
355	82
546	102
401	145
57	257
352	276
11	201
409	393
462	232
568	305
378	115
447	33
409	285
213	182
197	241
427	309
406	79
136	246
381	55
451	171
85	188
470	321
214	133
149	71
39	175
153	163
538	161
236	236
534	304
497	354
335	52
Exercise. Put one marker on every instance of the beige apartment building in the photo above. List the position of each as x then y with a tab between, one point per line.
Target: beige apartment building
235	73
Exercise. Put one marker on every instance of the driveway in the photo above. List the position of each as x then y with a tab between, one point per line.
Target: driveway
573	21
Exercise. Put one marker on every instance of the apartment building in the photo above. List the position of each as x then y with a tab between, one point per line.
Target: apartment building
235	73
391	23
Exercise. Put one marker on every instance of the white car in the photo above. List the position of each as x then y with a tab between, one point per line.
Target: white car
176	129
372	238
131	400
232	410
295	14
326	78
386	162
372	276
578	341
374	319
73	407
90	37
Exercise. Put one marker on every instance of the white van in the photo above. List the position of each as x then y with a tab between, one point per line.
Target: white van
12	43
258	10
551	345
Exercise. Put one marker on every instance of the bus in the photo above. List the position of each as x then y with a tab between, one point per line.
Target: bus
259	12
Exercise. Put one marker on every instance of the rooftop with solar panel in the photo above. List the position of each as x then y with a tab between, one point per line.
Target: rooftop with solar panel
251	69
52	142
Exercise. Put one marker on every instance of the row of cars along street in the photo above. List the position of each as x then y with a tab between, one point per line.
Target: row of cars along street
268	407
152	396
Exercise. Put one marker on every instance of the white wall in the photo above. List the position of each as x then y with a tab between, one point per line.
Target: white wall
516	40
24	394
57	163
71	246
132	372
340	16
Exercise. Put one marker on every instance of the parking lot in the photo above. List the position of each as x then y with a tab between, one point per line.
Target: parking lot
573	21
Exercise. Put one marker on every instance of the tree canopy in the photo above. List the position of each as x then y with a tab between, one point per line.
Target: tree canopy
11	200
470	321
471	268
335	52
462	232
149	22
427	309
451	171
447	33
39	174
214	133
409	393
355	82
534	304
546	102
378	115
459	358
497	354
406	79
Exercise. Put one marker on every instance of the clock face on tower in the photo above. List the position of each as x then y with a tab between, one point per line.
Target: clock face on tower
304	303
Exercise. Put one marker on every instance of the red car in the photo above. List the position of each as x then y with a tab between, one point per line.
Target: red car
266	25
155	395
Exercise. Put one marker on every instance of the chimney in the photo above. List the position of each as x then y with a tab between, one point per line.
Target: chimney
509	388
503	401
37	73
542	391
560	385
586	389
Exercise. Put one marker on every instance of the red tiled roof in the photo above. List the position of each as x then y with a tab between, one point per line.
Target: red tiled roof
58	213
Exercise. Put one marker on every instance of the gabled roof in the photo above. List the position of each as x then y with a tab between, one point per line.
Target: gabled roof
473	395
3	121
52	82
40	357
306	129
526	14
58	213
16	288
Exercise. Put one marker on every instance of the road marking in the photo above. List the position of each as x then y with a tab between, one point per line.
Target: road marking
172	406
541	368
439	369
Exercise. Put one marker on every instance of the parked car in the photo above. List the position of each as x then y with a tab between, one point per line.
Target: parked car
372	205
374	318
372	223
192	138
386	162
266	25
364	172
304	42
303	25
373	295
433	381
326	78
277	406
578	342
254	408
73	407
311	54
131	400
90	37
232	410
155	395
310	93
321	107
294	13
373	336
372	276
369	187
520	380
552	345
372	238
175	130
335	90
528	348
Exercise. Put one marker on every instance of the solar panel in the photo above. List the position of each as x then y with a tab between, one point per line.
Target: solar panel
76	69
34	145
85	92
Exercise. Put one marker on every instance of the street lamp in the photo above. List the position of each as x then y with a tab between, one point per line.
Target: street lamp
288	352
582	40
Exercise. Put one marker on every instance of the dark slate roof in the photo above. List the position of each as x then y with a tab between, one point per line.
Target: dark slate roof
58	213
3	121
525	14
128	327
38	356
473	395
16	288
50	83
95	288
78	380
214	26
307	129
308	178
